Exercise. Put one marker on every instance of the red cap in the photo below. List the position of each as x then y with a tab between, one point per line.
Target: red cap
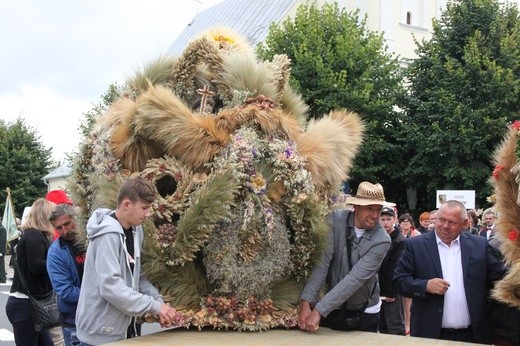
58	197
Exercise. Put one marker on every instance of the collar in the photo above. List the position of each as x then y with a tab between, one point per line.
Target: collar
439	241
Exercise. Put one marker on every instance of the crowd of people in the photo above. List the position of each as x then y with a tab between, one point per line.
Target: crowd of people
384	273
100	288
434	279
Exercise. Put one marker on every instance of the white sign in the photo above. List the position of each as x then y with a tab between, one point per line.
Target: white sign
466	197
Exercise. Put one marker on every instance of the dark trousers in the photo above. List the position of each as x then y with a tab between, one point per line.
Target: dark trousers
3	277
18	312
465	335
369	323
391	320
134	329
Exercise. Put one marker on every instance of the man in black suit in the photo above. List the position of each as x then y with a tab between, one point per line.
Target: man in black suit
391	319
489	225
448	273
3	240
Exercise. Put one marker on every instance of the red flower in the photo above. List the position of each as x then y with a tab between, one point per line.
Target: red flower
497	171
516	125
513	234
162	167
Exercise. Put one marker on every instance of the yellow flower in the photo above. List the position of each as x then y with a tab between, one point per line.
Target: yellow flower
222	38
258	182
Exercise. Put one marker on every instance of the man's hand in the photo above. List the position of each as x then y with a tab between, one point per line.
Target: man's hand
313	321
305	311
437	286
167	315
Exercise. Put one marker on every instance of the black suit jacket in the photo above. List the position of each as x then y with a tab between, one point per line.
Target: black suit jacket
386	271
420	262
3	236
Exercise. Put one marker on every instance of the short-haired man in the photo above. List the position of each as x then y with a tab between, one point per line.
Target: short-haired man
489	224
114	291
391	320
65	260
352	281
448	274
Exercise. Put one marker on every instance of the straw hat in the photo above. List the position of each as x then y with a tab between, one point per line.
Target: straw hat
368	194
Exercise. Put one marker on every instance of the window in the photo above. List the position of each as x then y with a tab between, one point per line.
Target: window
409	18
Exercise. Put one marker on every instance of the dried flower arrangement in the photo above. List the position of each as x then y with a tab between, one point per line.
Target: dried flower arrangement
244	182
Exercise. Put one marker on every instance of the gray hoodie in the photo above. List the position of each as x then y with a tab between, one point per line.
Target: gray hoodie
110	293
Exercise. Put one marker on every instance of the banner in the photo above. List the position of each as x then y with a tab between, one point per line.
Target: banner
9	220
466	197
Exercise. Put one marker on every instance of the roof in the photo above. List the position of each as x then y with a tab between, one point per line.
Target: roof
62	171
251	19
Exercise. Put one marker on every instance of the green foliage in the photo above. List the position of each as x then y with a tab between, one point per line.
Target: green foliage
111	95
338	63
25	161
463	92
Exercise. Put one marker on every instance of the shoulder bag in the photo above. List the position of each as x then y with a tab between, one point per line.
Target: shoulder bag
44	309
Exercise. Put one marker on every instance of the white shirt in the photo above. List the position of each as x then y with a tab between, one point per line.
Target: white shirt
456	311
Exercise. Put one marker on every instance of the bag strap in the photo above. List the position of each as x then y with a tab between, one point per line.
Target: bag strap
369	296
349	243
20	274
349	254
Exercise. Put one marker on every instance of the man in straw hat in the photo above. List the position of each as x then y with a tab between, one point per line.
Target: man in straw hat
356	247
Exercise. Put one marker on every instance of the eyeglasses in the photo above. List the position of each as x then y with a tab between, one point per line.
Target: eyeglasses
63	226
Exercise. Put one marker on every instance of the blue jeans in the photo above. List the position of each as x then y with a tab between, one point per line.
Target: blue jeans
18	312
69	336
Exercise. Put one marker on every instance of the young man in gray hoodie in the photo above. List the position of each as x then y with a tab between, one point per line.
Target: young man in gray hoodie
114	291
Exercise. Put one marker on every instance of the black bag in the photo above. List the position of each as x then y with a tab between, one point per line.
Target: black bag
45	311
344	319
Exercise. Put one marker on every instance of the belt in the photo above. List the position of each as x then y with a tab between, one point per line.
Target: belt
455	331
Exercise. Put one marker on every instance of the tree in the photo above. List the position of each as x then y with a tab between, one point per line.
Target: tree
338	63
112	94
463	91
24	162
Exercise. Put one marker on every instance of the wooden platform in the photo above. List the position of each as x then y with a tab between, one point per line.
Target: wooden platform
292	337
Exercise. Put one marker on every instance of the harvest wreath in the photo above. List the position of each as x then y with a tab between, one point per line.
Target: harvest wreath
506	181
243	181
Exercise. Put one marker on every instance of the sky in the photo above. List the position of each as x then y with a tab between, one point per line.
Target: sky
58	57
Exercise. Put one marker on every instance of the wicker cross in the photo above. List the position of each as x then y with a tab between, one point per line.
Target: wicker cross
205	93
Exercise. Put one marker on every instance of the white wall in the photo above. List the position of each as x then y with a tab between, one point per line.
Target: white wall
57	184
